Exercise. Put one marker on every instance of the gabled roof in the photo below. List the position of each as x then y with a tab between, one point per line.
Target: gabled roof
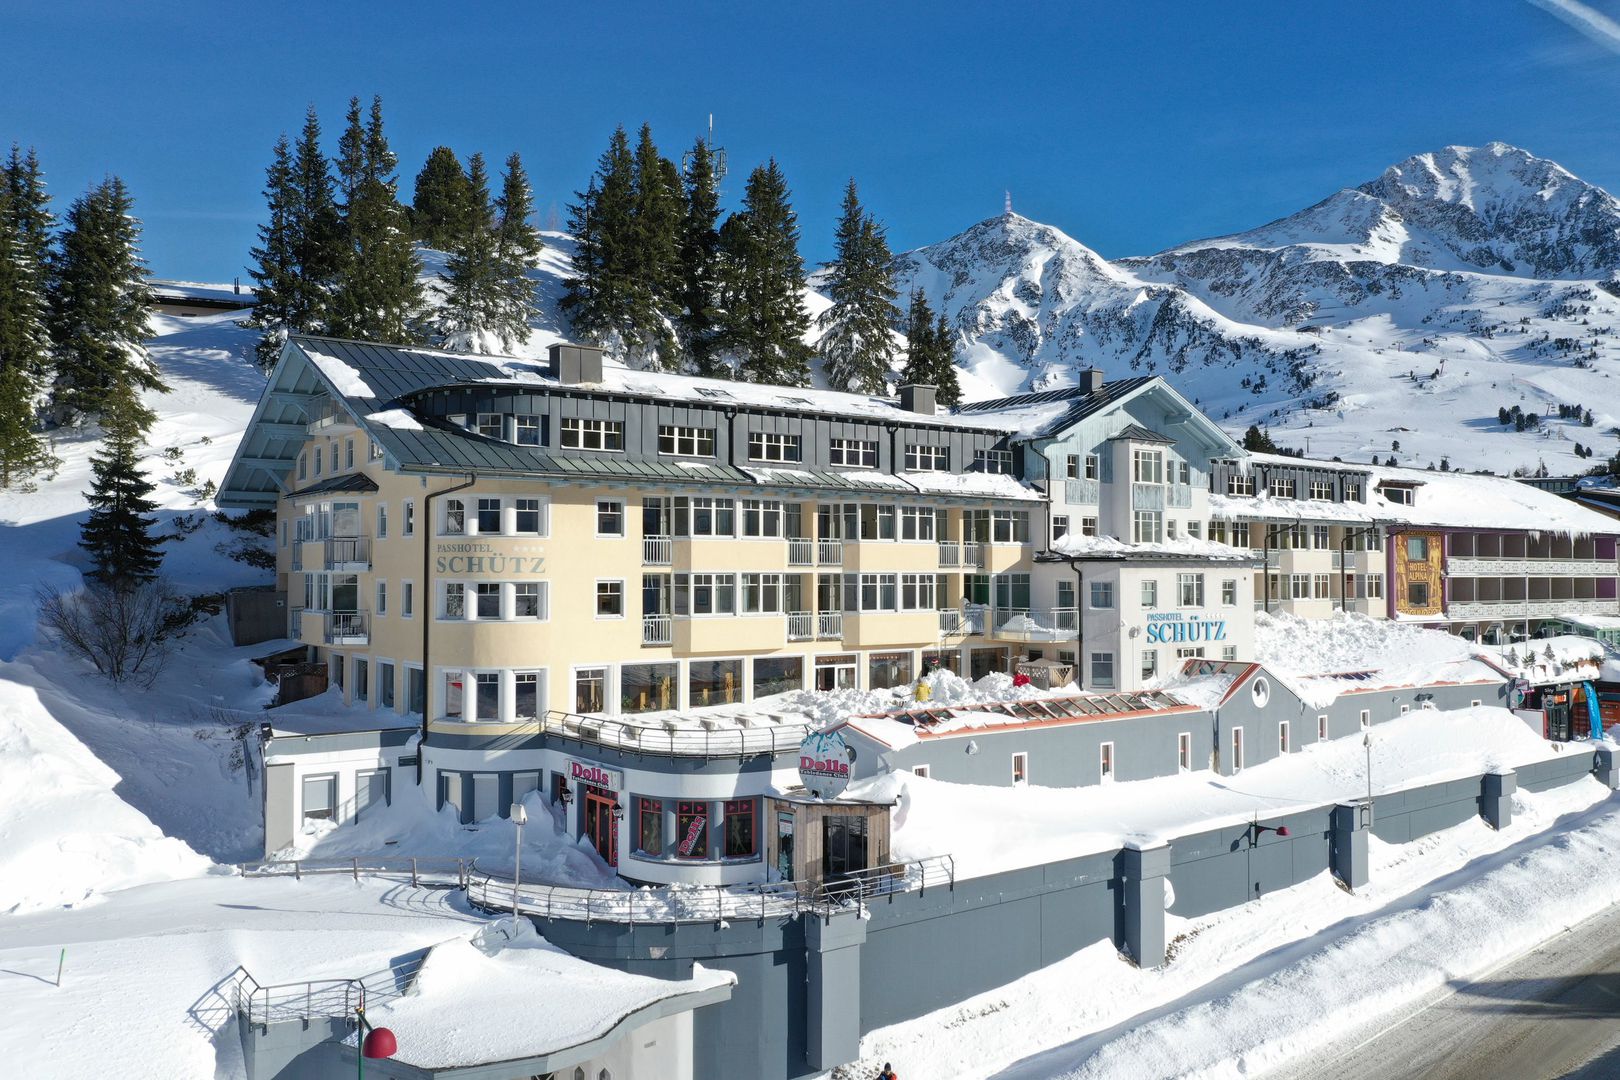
1138	433
346	482
1050	411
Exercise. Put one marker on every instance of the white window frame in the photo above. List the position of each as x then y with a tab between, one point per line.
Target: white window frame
1366	719
774	446
1237	750
622	509
1020	768
1107	764
685	441
407	526
920	770
921	457
580	432
852	453
1283	736
1321	727
1184	751
380	608
407	599
526	423
596	598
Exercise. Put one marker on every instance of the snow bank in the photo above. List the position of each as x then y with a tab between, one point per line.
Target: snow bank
65	836
947	689
991	829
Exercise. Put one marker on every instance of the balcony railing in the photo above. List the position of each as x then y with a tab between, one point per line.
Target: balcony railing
830	625
830	552
295	624
657	629
348	552
801	552
347	627
950	556
801	626
973	554
1036	624
657	550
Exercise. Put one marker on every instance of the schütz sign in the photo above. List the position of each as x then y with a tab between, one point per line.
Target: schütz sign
471	559
1175	628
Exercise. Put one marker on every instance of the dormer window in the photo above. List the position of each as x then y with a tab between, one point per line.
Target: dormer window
1147	466
1281	488
526	430
1093	467
491	425
1240	484
1403	495
994	461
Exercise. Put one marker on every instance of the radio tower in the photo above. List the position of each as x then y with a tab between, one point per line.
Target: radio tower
1006	206
717	157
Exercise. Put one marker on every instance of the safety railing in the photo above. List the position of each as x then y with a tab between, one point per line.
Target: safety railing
348	552
830	625
319	999
950	556
657	550
1036	624
830	552
657	629
703	738
423	870
936	871
801	626
801	552
347	628
973	554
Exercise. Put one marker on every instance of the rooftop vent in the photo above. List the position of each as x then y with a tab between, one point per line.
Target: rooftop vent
1091	380
574	365
918	398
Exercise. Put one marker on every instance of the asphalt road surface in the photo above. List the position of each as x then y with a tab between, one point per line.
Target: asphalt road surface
1553	1012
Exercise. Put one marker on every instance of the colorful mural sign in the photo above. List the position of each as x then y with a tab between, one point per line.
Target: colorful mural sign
824	760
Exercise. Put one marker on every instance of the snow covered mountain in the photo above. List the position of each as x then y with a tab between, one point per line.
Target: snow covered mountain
1406	311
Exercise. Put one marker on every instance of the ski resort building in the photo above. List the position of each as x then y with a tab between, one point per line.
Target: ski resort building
599	584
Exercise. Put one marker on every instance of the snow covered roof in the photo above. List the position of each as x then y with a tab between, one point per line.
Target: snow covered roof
1446	500
1111	548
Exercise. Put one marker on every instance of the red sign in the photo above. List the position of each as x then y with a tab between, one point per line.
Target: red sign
595	775
693	831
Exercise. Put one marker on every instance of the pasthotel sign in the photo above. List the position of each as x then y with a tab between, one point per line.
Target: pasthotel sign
589	772
824	760
1175	628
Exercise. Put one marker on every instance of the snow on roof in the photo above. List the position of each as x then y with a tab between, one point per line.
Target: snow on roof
1564	658
1109	546
491	997
987	829
997	485
395	418
344	379
1319	659
1446	499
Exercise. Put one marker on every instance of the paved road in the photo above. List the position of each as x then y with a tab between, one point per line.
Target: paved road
1553	1012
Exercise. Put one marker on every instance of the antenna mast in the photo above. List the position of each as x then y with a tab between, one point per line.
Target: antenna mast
1006	207
717	157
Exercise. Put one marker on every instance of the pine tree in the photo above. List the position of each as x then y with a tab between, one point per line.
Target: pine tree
947	385
378	295
517	251
599	297
23	343
118	534
930	352
655	239
318	237
472	306
857	339
99	300
439	207
698	295
763	282
1260	442
34	227
275	272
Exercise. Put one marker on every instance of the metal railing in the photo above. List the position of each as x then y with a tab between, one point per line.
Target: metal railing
704	738
319	999
1036	624
428	869
830	552
950	556
347	627
657	629
801	552
801	626
346	551
936	871
973	554
830	625
657	550
295	624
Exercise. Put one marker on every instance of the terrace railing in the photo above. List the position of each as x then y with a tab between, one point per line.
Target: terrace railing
801	552
347	627
657	629
657	550
830	625
830	552
801	626
348	552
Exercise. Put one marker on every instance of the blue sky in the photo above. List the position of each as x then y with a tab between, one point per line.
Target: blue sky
1131	127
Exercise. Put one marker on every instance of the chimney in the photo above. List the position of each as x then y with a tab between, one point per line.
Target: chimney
918	398
573	365
1091	380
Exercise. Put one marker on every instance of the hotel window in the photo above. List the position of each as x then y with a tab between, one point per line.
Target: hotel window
1366	719
713	594
1321	728
852	453
609	599
382	521
993	461
1184	751
1417	549
487	695
382	598
777	675
1228	652
490	425
713	682
1072	470
1282	737
1009	526
1183	473
1102	595
1195	529
1405	709
1106	754
1240	484
317	461
1147	526
362	679
1320	537
1088	526
1020	769
407	599
921	523
489	516
1321	490
762	594
1240	534
526	430
650	828
526	600
455	517
712	517
1352	492
526	695
581	434
885	670
1170	529
1217	531
1417	593
1281	488
320	797
528	518
1229	592
590	690
878	592
646	687
692	829
408	526
1374	585
1147	466
835	672
1093	466
302	471
1102	669
927	458
920	770
609	517
918	592
489	599
1404	496
455	600
1150	594
762	517
1060	527
685	441
1299	586
1191	653
1320	586
1190	589
770	446
1237	749
385	684
1150	663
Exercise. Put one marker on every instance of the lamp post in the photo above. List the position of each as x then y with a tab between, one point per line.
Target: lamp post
377	1043
520	818
1366	741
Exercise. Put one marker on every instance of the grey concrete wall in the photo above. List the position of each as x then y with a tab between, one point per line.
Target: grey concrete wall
255	615
281	811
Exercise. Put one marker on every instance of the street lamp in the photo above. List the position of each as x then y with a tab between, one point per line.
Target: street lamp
375	1043
1366	741
520	818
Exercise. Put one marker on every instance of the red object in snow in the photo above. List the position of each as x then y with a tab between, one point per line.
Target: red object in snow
380	1043
1020	679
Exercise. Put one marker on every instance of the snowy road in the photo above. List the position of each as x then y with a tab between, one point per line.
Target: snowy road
1554	1012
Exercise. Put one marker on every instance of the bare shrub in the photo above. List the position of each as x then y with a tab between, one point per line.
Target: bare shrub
125	632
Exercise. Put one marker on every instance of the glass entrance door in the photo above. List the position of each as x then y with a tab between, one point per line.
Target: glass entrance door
600	828
843	847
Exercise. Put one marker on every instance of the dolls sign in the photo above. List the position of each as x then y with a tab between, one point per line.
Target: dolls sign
824	760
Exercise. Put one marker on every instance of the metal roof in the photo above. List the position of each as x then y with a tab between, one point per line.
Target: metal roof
346	482
1138	433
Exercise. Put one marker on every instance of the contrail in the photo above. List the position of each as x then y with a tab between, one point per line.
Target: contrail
1591	23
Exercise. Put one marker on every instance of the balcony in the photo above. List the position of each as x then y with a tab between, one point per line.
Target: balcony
1466	567
950	556
830	625
657	630
1035	624
801	626
657	550
801	552
348	628
973	555
348	553
830	552
295	624
1538	608
954	623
